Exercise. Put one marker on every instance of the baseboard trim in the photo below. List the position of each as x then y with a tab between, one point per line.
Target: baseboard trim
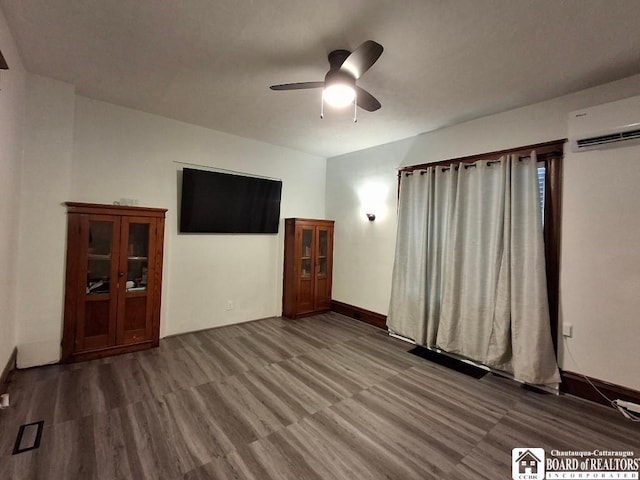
376	319
11	364
575	384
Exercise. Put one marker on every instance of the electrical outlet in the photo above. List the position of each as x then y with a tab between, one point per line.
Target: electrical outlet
567	330
229	304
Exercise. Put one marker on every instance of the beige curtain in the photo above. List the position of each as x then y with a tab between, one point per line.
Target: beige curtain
469	273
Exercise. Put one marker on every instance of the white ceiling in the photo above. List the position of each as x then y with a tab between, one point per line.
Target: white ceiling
210	62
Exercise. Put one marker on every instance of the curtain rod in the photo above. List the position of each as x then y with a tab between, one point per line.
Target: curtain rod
218	169
456	166
543	151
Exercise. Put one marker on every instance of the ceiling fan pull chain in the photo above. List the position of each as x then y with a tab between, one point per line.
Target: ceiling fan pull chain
322	106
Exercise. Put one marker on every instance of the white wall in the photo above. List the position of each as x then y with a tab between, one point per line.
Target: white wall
45	185
12	105
605	335
357	184
600	269
89	151
122	153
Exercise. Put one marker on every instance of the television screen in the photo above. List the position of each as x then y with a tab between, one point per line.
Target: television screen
214	202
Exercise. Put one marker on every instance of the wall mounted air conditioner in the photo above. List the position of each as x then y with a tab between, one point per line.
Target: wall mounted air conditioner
605	126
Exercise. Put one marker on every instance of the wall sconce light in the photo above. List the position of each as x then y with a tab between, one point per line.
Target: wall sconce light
373	200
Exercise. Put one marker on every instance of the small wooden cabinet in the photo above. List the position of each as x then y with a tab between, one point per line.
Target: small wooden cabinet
308	266
113	280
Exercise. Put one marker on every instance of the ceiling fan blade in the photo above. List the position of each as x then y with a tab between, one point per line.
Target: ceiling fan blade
367	101
297	86
3	63
362	58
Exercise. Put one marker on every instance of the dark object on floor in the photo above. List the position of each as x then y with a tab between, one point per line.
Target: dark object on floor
449	362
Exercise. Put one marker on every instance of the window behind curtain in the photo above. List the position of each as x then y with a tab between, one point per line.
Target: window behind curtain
541	179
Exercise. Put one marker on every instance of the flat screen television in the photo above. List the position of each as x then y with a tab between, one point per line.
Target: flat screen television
215	202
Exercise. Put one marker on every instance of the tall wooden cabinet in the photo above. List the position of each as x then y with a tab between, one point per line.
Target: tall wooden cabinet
113	280
308	265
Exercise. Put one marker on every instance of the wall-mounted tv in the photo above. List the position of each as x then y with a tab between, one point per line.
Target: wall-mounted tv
215	202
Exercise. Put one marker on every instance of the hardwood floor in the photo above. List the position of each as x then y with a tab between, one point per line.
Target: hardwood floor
323	397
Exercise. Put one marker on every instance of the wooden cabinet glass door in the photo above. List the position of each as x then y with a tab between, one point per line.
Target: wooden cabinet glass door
97	298
323	266
135	306
305	241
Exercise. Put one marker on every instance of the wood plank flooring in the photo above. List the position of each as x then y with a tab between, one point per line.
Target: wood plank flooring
324	397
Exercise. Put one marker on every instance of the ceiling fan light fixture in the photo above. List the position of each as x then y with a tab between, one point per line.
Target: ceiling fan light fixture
339	87
339	95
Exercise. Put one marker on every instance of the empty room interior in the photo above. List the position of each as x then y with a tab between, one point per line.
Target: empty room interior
319	240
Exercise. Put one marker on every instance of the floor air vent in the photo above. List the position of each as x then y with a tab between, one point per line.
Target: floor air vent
28	437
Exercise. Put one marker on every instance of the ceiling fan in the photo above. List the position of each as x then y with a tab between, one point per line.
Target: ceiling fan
339	85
